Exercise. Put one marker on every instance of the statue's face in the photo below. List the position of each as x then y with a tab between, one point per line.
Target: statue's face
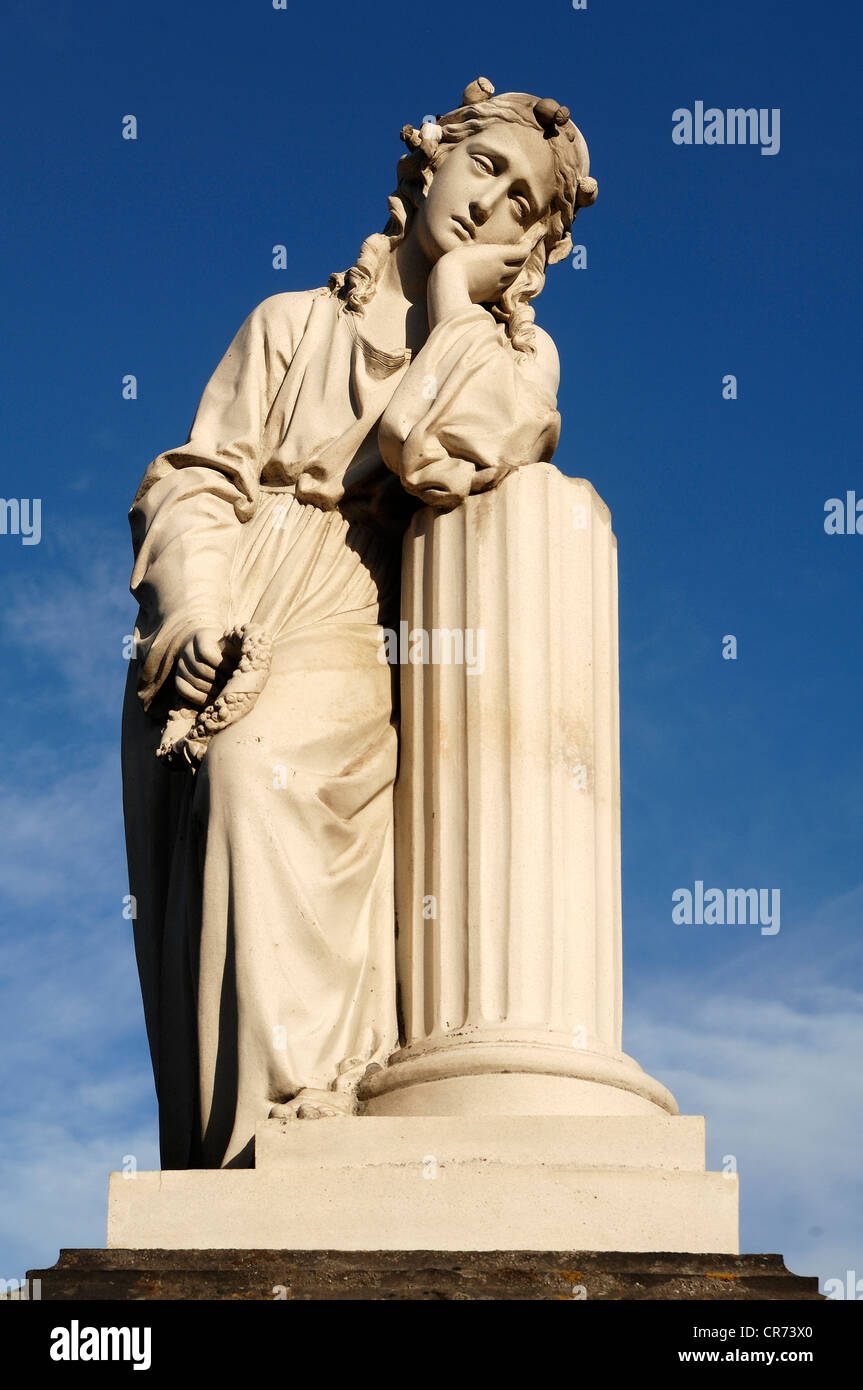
490	187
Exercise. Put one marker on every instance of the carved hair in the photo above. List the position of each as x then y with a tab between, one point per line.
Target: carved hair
429	146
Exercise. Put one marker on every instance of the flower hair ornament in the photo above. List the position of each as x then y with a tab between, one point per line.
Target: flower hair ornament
576	188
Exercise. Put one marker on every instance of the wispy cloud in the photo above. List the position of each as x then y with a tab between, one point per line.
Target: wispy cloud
55	1185
765	1048
65	618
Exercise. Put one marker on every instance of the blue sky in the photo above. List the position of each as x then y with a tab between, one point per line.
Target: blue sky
258	127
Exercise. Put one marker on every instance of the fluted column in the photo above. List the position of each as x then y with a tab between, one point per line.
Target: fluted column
508	811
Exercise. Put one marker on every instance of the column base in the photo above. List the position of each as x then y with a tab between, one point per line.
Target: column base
512	1076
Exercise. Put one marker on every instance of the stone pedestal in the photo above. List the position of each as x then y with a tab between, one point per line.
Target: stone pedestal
334	1275
549	1182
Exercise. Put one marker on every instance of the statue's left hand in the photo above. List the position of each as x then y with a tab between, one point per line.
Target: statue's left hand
197	665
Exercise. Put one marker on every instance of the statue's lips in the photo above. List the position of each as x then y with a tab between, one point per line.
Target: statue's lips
464	227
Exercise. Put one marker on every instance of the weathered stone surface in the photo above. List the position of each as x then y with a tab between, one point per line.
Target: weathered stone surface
416	1275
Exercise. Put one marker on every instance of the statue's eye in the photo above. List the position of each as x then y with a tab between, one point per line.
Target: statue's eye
522	206
483	162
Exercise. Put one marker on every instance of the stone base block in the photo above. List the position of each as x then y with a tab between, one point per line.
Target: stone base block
599	1183
559	1275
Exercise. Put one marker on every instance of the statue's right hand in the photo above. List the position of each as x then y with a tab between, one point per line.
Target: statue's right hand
477	273
197	665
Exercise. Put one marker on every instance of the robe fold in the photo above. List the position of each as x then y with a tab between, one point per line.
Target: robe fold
264	926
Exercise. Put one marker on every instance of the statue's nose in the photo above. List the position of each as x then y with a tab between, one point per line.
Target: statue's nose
480	210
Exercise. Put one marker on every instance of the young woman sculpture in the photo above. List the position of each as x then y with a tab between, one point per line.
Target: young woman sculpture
267	556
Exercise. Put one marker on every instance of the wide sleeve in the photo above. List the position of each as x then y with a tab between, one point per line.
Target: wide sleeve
187	513
470	410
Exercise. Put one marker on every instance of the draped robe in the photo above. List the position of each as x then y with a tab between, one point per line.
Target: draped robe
263	884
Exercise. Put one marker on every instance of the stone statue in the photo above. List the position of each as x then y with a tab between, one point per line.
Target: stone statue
260	725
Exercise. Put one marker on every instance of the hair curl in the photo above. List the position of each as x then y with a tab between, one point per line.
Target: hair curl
429	146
